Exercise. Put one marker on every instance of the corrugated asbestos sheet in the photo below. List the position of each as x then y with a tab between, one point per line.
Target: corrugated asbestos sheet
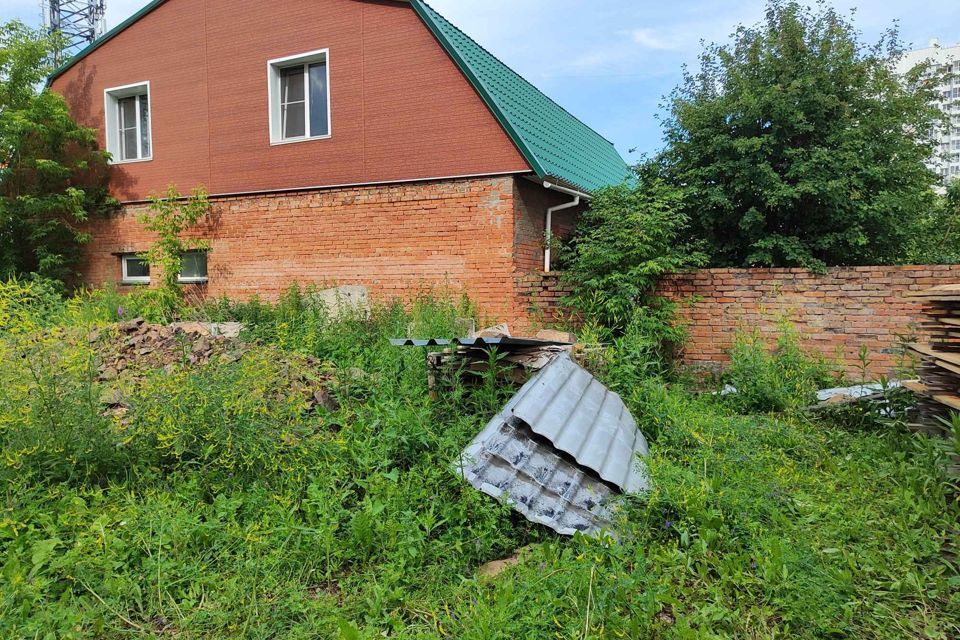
559	451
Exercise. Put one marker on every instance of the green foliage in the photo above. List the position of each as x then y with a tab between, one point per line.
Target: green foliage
229	421
169	217
645	352
622	245
53	176
784	379
28	305
219	506
798	145
935	238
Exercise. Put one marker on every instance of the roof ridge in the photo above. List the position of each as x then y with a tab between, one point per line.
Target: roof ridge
515	72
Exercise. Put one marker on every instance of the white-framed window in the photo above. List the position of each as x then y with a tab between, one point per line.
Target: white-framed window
128	116
299	94
193	267
134	269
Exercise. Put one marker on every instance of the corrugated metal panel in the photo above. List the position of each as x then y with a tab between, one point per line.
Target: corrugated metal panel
584	419
509	463
559	450
409	342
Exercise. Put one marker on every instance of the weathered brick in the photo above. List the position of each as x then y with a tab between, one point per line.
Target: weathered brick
481	236
845	308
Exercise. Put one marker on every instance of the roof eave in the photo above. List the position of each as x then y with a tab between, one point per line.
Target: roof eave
111	34
487	97
102	40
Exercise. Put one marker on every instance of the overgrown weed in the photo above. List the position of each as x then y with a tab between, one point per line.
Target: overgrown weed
222	507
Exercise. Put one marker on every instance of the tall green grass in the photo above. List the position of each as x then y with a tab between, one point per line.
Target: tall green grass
222	506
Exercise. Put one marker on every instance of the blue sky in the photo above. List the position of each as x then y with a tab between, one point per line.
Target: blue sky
611	61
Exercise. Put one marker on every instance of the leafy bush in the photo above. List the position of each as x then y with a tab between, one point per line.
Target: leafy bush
230	420
51	429
935	237
784	146
622	245
785	379
28	305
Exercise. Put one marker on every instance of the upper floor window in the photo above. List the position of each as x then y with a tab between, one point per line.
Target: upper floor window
299	89
127	111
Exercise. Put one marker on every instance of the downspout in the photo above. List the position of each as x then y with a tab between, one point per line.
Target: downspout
548	225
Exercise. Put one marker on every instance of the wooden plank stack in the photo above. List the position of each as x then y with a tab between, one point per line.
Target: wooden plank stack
938	392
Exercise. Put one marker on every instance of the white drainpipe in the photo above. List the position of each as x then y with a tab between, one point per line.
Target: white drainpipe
548	234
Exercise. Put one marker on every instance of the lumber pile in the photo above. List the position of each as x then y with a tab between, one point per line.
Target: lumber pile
938	391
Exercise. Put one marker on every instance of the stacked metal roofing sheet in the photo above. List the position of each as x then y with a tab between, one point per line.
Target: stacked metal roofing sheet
476	342
559	451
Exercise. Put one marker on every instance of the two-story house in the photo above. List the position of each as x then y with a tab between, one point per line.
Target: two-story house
364	142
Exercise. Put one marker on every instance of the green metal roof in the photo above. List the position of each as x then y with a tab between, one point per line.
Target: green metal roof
558	146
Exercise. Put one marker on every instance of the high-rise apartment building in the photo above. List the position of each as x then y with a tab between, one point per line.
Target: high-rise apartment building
943	60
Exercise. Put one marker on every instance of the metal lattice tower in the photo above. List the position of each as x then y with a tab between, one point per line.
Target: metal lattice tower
80	21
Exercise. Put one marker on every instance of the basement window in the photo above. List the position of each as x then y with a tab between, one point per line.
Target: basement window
193	267
135	270
299	91
127	113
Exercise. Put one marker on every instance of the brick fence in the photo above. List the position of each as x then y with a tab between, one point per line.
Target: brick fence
837	313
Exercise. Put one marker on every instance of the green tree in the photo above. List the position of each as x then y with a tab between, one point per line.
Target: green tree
53	176
627	240
936	235
798	145
169	216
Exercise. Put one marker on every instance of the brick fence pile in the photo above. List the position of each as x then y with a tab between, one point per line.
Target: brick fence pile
837	312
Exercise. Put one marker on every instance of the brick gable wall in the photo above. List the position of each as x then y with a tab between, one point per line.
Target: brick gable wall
400	107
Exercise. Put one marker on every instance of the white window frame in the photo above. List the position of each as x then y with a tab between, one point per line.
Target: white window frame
273	95
111	111
199	279
127	279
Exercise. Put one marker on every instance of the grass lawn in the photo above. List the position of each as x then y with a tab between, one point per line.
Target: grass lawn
222	505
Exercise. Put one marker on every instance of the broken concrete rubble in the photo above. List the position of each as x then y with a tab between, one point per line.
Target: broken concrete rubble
139	346
130	351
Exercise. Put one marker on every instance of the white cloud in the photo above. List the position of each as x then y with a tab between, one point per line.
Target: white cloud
650	39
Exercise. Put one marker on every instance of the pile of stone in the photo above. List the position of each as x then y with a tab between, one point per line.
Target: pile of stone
136	346
129	351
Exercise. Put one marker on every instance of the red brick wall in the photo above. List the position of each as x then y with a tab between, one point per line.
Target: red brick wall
400	107
457	234
532	203
542	295
838	312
